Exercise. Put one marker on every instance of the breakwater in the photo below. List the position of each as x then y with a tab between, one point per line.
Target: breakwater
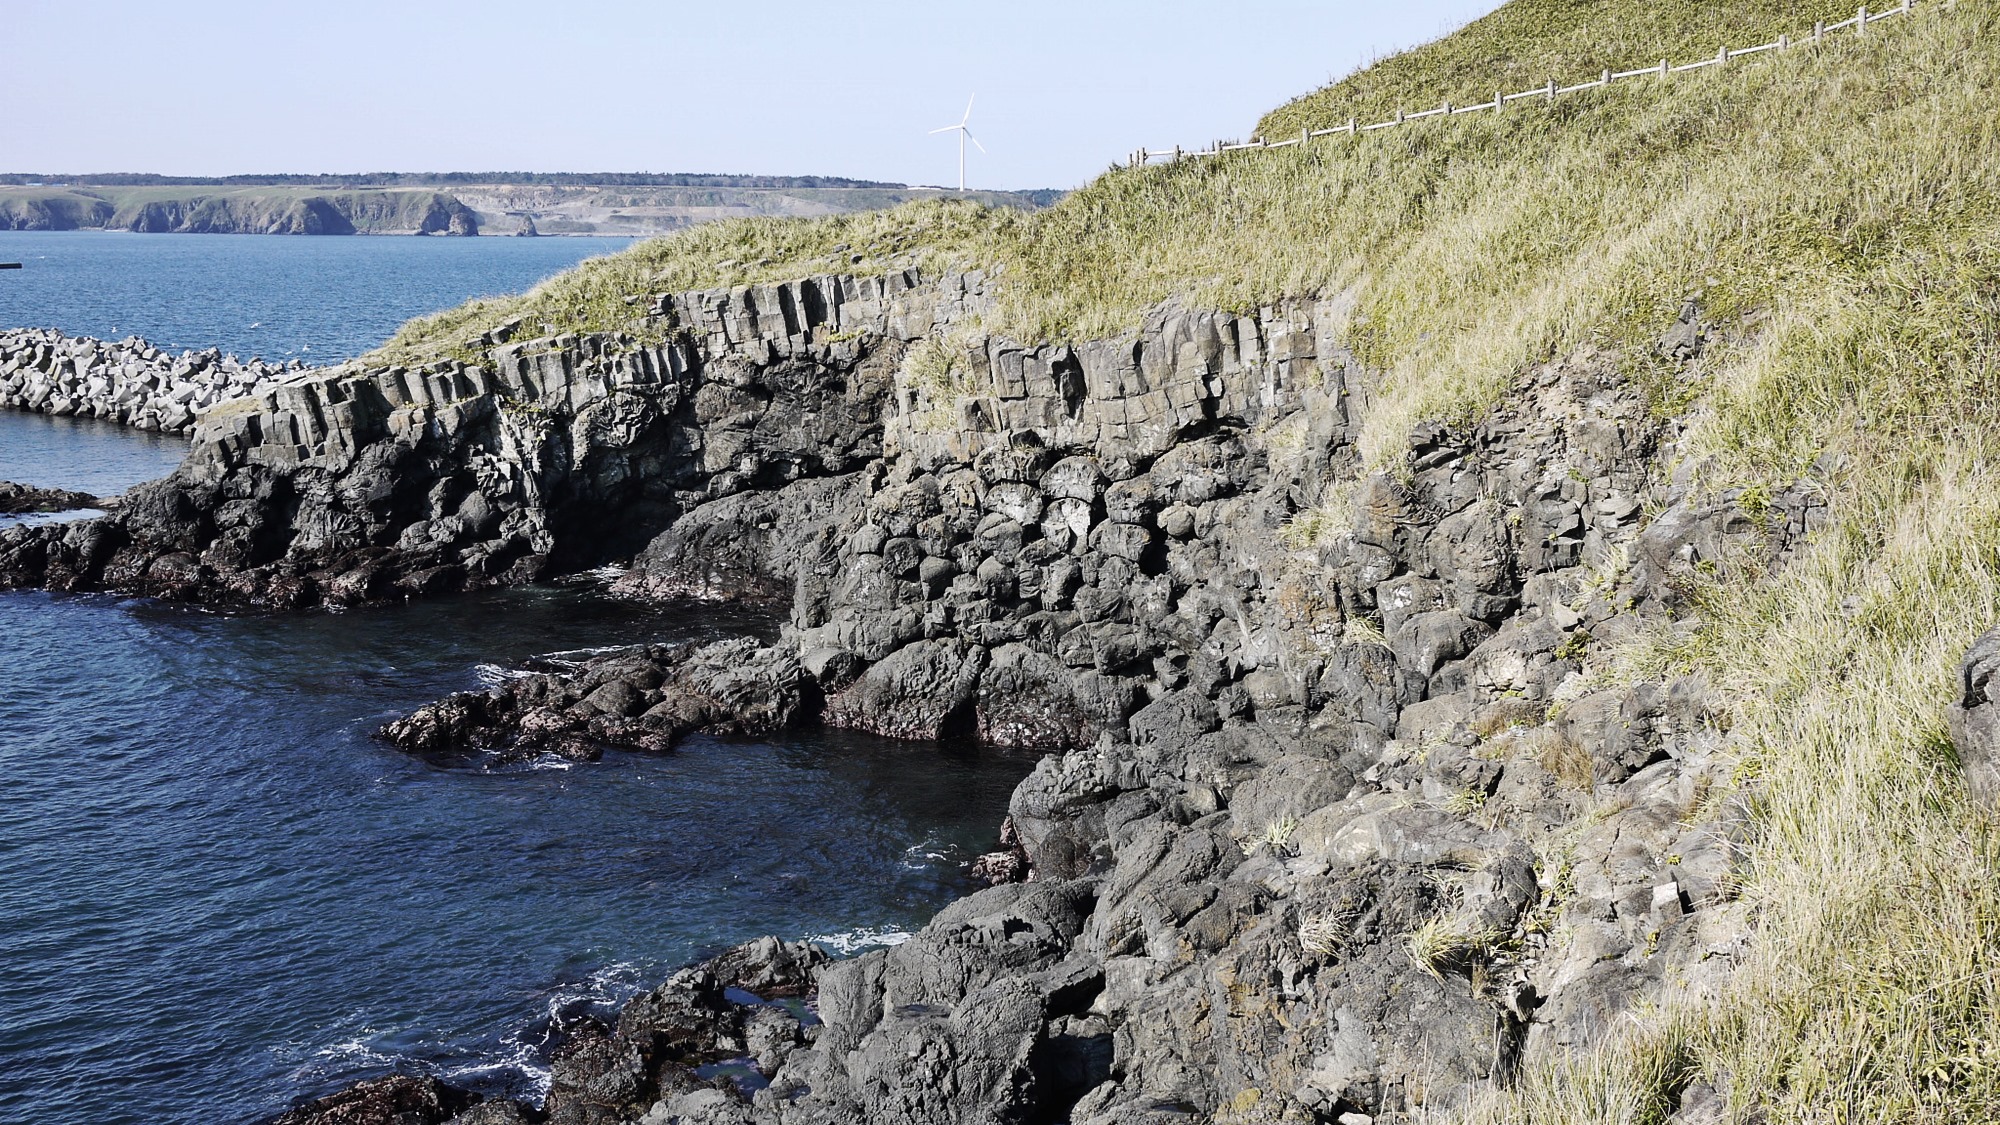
128	381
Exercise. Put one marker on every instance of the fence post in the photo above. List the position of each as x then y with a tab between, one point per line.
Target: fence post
1663	68
1861	21
1446	107
1552	89
1722	57
1784	42
1352	123
1177	154
1499	101
1305	134
1819	30
1399	117
1605	80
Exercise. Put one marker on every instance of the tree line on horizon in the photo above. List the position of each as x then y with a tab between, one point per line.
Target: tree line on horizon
442	179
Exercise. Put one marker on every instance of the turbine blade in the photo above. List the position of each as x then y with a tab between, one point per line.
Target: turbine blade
974	140
968	109
946	129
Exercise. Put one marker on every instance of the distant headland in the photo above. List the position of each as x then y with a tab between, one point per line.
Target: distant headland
440	203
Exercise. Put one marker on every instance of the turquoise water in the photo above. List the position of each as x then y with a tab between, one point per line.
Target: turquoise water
279	298
219	894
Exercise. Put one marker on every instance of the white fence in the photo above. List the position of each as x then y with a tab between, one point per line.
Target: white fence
1549	92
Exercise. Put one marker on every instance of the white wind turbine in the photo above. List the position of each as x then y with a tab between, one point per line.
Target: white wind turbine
964	135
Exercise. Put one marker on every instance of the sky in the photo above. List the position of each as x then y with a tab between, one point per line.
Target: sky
778	87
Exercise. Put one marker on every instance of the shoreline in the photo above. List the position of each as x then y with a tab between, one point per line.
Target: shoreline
1069	557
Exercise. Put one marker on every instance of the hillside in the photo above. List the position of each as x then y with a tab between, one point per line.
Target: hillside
439	204
1490	589
1832	212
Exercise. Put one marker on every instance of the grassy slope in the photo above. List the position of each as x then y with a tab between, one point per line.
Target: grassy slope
1838	210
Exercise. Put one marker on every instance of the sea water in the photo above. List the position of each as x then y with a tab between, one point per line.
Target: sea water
218	893
317	300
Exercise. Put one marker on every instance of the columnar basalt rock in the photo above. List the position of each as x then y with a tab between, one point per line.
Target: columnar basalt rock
1334	818
129	382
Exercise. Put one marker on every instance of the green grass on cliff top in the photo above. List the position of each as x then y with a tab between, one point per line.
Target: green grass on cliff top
1837	210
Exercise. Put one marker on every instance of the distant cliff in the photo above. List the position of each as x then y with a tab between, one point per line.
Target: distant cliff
404	203
236	211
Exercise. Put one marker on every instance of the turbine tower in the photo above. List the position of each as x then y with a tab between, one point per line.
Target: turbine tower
964	135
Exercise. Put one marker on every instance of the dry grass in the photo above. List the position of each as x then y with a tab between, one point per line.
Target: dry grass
1845	198
1450	944
1565	759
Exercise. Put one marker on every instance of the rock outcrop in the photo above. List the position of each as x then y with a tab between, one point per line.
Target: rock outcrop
21	499
129	382
1975	717
1333	818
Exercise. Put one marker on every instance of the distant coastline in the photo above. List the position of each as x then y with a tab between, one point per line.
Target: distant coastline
446	204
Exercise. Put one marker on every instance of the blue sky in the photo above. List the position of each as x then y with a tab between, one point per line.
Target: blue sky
780	87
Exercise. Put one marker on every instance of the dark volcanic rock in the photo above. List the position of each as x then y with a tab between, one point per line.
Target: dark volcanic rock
17	499
923	691
643	699
396	1100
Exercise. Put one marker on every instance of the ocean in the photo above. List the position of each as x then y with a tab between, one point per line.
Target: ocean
219	894
318	300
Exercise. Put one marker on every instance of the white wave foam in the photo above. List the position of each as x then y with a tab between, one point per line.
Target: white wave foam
522	1049
860	939
493	675
577	657
358	1052
927	852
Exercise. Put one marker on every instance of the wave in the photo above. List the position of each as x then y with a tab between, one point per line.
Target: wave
860	939
493	675
601	576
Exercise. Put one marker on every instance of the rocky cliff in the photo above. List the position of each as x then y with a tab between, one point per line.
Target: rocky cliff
455	204
237	211
1335	818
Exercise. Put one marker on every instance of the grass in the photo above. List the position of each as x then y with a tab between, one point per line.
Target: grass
934	235
1326	933
934	381
1528	42
1836	209
1447	944
1472	247
1276	839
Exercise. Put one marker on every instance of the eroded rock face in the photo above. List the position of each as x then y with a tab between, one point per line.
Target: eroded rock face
351	485
1331	819
1975	717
